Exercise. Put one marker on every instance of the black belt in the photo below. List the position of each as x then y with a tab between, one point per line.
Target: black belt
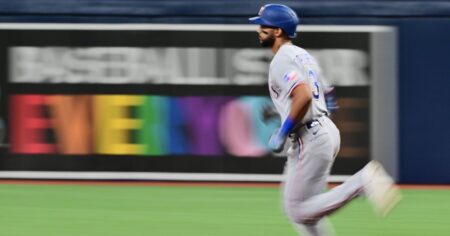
307	125
311	123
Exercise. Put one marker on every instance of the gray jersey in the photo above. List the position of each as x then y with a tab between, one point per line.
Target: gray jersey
290	67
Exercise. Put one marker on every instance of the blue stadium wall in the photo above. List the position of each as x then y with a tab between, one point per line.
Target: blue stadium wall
424	53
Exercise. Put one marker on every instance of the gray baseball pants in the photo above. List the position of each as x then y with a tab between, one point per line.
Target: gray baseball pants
305	199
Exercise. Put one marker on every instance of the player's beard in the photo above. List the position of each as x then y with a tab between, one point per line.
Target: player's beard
268	42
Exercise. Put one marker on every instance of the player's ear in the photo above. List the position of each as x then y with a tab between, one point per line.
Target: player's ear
278	32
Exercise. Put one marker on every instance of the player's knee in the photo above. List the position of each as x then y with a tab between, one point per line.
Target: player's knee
293	215
296	215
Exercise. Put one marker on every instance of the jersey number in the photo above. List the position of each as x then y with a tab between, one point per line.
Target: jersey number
315	91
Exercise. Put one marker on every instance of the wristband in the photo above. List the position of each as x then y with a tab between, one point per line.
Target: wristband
287	126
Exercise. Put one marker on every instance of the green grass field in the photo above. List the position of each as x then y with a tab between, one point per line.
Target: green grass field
95	210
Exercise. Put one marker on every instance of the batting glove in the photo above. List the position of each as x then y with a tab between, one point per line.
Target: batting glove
330	99
277	140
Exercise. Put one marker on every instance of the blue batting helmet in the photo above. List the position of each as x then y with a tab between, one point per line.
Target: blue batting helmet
277	15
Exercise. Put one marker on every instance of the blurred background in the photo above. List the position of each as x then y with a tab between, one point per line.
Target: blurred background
197	91
148	90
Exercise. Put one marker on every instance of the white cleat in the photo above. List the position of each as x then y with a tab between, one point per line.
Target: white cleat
380	189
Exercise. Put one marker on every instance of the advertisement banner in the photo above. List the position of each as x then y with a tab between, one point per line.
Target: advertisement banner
165	98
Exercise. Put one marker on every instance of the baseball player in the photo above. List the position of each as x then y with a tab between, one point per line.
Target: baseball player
296	88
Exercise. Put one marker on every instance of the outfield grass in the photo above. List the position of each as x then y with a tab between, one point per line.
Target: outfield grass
93	210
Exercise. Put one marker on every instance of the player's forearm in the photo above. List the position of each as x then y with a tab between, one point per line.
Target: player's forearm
301	99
